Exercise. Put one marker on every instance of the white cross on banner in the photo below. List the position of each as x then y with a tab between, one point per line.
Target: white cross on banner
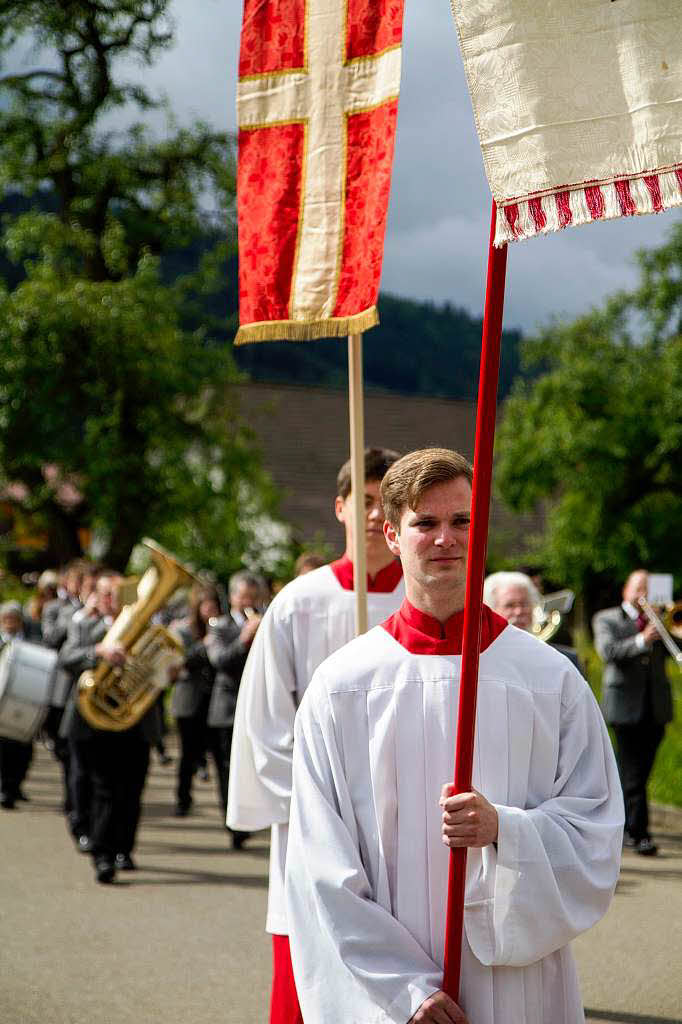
578	107
317	105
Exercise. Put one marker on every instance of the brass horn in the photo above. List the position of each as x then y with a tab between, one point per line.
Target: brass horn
655	620
548	615
116	698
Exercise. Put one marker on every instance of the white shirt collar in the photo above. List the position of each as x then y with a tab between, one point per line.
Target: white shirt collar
630	610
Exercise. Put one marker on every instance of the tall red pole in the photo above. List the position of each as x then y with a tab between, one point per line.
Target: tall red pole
478	539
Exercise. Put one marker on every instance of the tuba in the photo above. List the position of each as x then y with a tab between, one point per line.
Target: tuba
116	698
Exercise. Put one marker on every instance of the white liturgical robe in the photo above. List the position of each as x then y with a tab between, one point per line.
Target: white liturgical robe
367	870
307	621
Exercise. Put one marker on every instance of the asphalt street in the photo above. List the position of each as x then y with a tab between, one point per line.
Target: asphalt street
180	940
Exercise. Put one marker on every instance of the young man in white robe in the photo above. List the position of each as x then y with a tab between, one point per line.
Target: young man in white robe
373	818
307	621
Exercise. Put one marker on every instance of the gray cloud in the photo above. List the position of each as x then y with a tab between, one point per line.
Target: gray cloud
439	217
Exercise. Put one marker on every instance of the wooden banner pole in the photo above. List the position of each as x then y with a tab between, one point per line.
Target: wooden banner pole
356	401
478	539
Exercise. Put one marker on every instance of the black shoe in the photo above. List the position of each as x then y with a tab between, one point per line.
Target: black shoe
238	839
6	801
647	847
84	844
105	870
182	810
124	862
628	842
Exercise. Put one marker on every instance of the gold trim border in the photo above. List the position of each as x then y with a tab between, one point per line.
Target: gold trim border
301	215
308	330
288	71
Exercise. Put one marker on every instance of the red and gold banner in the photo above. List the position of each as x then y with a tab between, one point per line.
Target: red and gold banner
317	106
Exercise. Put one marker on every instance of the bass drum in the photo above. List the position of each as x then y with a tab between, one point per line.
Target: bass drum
27	673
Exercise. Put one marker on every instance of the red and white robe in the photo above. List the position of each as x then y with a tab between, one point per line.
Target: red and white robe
367	870
307	621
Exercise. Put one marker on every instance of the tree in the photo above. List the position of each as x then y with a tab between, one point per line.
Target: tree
596	436
108	380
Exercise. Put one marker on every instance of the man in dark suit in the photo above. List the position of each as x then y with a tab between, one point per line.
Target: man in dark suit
115	763
228	643
636	699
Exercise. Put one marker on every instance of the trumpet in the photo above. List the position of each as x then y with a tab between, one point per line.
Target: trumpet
673	617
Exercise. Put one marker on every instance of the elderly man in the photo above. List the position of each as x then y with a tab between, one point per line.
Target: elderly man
514	596
373	815
637	700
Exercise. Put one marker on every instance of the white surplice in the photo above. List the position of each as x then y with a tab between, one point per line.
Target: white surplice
367	870
307	621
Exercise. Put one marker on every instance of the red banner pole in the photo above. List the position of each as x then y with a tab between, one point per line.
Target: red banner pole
478	539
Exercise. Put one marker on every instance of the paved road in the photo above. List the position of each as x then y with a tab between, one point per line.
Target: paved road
180	941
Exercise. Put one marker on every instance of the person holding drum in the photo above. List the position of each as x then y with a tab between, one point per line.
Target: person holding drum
15	756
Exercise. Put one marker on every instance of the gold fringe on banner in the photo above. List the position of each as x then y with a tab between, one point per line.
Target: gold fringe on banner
311	330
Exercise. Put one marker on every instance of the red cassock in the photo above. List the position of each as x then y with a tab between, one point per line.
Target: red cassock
317	107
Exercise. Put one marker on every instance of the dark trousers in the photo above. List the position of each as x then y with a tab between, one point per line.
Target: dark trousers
60	749
636	751
196	738
80	787
117	764
15	758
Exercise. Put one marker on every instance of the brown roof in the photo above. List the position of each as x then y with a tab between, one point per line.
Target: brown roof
304	437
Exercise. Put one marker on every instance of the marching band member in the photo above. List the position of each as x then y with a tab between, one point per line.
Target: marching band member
228	642
514	596
308	619
192	696
115	763
636	698
15	756
373	815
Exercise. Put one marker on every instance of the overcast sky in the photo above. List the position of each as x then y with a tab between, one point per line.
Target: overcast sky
436	243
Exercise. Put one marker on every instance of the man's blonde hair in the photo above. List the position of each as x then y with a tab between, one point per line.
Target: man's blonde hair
408	478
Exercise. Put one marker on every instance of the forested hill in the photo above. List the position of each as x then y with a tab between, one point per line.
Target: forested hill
419	348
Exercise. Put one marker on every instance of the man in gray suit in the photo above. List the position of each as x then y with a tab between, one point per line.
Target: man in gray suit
636	700
228	643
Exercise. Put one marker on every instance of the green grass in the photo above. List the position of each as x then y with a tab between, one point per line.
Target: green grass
665	784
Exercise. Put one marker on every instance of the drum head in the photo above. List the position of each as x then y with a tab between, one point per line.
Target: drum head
27	674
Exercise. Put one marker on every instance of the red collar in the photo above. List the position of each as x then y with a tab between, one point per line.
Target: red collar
385	581
421	634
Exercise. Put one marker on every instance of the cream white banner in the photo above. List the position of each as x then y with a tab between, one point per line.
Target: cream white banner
578	106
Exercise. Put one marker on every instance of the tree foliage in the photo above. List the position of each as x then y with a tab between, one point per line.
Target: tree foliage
108	380
595	436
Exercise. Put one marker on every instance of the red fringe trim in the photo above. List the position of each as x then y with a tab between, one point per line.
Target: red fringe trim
624	197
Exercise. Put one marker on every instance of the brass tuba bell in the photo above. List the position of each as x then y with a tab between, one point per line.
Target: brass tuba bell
116	698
